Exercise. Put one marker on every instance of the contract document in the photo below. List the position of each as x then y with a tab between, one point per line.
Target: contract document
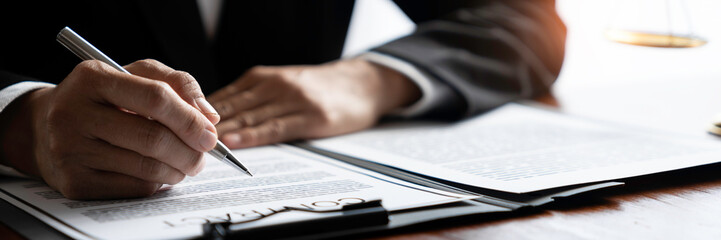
507	159
521	149
284	176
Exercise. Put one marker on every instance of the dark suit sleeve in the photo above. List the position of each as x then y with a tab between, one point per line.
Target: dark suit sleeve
7	79
487	52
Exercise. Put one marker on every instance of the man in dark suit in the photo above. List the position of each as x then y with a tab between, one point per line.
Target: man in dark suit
86	138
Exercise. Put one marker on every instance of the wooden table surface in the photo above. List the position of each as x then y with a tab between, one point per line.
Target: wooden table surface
683	204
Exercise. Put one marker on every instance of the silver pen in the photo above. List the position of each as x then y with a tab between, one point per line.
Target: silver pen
86	51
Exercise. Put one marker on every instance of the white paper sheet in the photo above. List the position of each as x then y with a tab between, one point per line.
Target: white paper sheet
283	177
521	149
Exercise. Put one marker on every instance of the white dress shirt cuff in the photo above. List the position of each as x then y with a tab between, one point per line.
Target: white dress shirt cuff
429	88
7	95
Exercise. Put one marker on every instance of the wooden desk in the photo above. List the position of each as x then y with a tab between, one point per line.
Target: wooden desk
684	204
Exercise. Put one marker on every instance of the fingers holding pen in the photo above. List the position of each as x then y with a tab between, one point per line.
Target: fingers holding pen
94	184
115	159
109	153
182	82
146	138
151	98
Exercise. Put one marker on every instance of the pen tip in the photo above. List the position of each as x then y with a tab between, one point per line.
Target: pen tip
235	163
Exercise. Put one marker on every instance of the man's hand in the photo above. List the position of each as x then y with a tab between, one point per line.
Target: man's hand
277	104
102	133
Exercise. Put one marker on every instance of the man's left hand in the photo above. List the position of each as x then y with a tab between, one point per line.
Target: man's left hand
276	104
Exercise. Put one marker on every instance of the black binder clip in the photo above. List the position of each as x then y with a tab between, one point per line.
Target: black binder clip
354	216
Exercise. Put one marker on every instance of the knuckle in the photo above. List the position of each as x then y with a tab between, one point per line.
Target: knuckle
225	108
154	138
156	95
192	125
151	169
88	66
148	63
257	69
279	80
248	97
276	129
185	82
290	75
143	64
86	74
57	153
58	114
181	76
245	121
251	137
55	148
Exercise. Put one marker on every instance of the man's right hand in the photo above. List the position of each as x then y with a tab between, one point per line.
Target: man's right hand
102	133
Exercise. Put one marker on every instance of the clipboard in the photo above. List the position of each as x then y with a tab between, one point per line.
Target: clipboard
370	216
352	219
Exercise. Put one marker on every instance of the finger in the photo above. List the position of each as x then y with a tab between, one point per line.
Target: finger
150	98
145	137
149	68
242	84
256	116
276	130
95	184
182	82
240	102
118	160
254	97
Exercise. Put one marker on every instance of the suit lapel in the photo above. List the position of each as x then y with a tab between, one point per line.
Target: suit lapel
176	25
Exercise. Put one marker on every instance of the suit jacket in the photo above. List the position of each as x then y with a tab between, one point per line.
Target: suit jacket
488	52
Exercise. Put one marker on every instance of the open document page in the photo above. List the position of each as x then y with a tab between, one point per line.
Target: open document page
284	176
521	149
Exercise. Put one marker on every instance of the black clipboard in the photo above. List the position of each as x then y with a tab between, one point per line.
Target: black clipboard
370	216
353	219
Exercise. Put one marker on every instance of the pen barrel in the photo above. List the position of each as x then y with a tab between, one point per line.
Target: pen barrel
217	154
86	51
83	49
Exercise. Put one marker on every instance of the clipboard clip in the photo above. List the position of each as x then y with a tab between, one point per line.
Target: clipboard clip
354	216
